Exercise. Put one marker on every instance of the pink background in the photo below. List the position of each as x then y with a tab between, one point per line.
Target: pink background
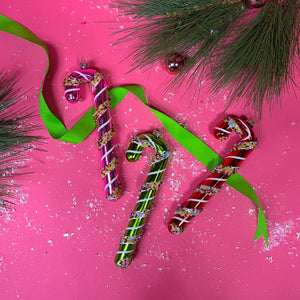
61	240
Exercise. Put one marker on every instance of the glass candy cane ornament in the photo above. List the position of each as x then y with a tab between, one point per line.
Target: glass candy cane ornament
148	192
212	185
102	116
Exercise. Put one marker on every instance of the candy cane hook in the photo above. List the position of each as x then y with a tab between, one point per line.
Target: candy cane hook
148	192
212	185
102	116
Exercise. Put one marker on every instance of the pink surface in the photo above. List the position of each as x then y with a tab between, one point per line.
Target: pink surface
61	241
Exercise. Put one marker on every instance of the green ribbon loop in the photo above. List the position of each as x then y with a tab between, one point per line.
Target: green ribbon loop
86	124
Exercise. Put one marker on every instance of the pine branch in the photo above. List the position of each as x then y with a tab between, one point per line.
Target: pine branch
188	28
157	8
250	52
16	137
258	64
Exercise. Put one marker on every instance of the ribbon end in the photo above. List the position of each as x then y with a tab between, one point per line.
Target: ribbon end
263	234
261	229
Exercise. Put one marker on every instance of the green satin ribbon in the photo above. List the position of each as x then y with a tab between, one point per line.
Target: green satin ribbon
86	124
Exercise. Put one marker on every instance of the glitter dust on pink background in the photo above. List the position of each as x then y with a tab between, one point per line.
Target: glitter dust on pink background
61	239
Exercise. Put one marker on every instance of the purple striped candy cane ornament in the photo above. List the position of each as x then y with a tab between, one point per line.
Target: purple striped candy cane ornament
98	86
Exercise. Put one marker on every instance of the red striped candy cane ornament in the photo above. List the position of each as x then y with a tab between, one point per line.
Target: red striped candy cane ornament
148	192
102	116
212	185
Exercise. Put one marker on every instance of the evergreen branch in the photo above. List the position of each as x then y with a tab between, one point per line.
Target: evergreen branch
258	63
250	52
16	137
158	8
200	30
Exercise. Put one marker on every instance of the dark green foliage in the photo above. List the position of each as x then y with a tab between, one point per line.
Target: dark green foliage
158	8
15	137
258	63
249	51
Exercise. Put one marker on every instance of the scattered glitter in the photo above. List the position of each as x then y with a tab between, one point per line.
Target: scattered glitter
50	242
278	234
269	258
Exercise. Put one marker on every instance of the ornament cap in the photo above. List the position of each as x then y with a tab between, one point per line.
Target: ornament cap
83	64
251	123
157	133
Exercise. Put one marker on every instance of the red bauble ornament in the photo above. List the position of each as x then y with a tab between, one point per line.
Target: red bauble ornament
256	3
174	63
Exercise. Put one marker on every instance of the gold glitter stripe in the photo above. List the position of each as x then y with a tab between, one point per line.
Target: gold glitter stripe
175	229
160	156
69	81
187	212
106	137
111	166
205	189
234	126
229	170
130	239
101	109
115	194
98	76
245	146
140	214
148	186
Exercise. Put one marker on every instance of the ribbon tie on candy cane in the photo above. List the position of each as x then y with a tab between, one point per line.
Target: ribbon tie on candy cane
103	119
212	185
86	125
148	192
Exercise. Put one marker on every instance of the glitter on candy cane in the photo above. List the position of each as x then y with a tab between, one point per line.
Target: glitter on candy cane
103	119
148	192
212	185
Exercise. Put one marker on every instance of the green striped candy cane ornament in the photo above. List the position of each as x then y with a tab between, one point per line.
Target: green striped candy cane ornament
148	192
